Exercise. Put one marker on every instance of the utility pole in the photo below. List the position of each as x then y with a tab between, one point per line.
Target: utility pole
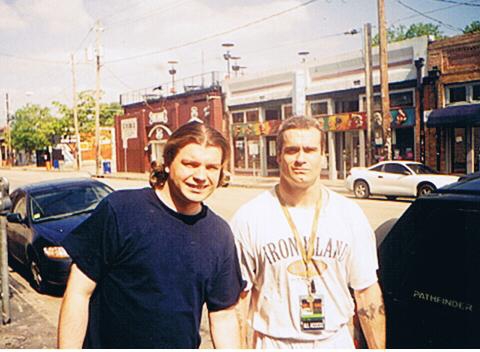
9	133
78	155
97	99
387	119
367	38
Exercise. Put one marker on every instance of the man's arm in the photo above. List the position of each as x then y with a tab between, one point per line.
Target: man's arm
72	324
242	314
224	328
371	313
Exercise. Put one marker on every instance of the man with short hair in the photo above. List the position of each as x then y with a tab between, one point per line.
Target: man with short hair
146	260
301	248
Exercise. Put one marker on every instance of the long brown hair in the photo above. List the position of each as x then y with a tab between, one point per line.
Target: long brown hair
192	132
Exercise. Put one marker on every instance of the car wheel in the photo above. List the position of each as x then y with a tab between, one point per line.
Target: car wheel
36	277
361	190
391	197
425	189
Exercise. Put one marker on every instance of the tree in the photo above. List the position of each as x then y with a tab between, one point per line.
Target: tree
396	34
33	128
473	27
86	113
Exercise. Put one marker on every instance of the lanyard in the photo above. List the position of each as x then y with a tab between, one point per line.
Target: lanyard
307	253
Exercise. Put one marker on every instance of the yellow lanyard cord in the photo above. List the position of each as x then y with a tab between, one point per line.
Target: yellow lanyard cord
307	254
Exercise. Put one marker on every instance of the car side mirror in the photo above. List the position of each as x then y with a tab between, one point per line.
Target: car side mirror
15	218
406	172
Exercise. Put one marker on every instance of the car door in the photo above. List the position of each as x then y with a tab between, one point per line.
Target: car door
17	233
396	180
375	179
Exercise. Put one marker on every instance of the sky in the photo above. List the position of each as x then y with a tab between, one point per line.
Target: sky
139	37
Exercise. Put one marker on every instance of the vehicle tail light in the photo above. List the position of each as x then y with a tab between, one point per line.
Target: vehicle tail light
55	252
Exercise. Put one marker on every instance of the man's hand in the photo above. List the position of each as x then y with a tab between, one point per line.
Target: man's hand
72	324
371	313
224	328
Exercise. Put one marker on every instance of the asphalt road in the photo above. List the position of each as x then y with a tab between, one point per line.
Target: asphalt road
224	201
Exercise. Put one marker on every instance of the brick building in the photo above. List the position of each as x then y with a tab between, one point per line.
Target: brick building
151	116
452	104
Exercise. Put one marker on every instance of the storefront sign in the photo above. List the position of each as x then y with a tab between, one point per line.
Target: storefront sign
404	117
158	117
255	128
128	130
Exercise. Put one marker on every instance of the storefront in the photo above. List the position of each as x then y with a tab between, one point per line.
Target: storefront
452	104
143	130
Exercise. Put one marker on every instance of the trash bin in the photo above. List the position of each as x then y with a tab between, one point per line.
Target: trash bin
56	164
107	167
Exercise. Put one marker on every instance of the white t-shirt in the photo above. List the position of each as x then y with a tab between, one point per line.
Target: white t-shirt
345	248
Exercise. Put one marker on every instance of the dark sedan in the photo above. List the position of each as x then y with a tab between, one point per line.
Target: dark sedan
42	214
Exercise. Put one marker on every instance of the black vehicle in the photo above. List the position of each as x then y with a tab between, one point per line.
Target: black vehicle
42	214
430	268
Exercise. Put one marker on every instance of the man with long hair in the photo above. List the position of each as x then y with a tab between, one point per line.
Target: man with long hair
146	260
301	248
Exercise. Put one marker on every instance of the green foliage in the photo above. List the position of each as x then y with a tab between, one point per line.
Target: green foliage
34	127
401	32
473	27
86	113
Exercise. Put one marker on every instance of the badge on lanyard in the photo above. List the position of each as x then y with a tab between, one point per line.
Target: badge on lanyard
312	317
311	313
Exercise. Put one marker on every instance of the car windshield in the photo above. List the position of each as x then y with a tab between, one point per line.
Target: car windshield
58	203
421	169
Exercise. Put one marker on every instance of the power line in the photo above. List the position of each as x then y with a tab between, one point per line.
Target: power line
429	17
150	13
118	78
249	24
34	59
431	11
459	3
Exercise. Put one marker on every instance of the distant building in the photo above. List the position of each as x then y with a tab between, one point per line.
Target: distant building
151	115
452	104
333	91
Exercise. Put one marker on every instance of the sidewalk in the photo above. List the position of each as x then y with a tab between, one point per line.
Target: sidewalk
28	329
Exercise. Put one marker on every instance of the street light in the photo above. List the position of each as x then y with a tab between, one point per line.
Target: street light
172	72
227	56
303	55
235	66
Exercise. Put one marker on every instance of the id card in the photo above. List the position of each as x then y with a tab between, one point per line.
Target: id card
311	313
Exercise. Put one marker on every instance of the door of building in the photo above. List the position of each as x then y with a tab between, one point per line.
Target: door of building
458	147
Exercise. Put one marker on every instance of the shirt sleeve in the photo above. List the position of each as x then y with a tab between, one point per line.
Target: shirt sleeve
240	230
94	244
224	290
363	262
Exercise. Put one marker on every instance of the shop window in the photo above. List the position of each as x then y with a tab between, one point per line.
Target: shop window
457	94
401	99
287	111
252	116
346	106
273	113
476	92
237	117
239	153
253	153
319	108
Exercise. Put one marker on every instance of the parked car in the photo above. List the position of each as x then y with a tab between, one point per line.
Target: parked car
42	214
429	270
395	178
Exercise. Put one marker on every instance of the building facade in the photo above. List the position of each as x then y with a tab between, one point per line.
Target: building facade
332	91
452	104
150	117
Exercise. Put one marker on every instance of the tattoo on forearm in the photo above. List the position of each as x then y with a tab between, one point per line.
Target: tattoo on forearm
370	312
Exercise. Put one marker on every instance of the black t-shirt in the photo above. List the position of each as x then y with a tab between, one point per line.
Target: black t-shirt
154	269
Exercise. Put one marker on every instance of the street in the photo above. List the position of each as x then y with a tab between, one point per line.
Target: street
224	201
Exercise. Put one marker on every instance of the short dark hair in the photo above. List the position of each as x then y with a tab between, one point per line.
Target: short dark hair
192	132
296	122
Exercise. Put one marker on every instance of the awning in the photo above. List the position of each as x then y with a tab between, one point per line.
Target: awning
455	116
